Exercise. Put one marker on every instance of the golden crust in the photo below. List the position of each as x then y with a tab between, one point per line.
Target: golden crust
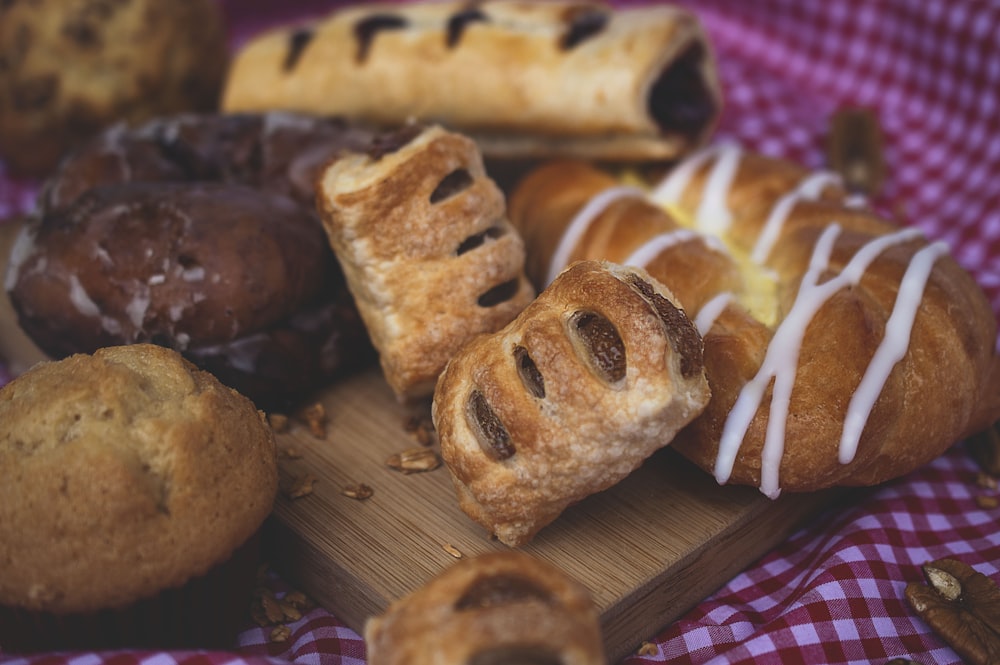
548	411
944	386
522	78
124	473
502	603
430	265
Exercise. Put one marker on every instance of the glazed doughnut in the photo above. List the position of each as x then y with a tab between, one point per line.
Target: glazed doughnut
840	348
501	607
429	255
524	79
198	233
595	375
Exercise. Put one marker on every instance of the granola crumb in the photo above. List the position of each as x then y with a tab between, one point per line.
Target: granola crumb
280	634
414	460
987	502
986	481
301	486
358	491
278	422
316	419
648	649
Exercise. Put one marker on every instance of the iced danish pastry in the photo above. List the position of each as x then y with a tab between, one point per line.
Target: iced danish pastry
428	252
502	607
840	348
600	371
522	78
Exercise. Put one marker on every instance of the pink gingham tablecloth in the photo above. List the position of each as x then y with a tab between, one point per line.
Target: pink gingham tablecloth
833	592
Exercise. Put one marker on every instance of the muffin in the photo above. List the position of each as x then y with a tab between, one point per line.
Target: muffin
69	68
133	487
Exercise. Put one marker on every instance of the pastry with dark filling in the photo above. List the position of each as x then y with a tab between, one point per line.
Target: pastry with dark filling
522	78
502	607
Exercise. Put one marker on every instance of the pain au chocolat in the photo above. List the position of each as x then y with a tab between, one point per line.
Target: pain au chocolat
595	375
523	79
841	349
429	255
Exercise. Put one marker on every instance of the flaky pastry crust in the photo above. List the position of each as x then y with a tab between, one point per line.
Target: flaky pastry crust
840	348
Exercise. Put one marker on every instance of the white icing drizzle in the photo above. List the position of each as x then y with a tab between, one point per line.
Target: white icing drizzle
649	250
891	349
582	221
710	311
808	190
714	215
781	358
669	191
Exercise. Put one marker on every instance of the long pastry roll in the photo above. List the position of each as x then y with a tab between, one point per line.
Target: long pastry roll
429	255
840	348
522	78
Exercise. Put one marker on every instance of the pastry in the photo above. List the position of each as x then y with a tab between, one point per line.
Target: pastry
71	68
840	348
198	233
429	256
600	371
501	607
524	79
133	487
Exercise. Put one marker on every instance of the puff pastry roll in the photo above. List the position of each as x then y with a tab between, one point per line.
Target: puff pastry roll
522	78
600	371
501	607
425	245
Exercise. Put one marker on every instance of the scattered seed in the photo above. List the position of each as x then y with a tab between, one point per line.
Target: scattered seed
360	491
452	550
414	460
291	452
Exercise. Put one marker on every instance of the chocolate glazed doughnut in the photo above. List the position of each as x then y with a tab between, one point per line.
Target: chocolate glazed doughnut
197	233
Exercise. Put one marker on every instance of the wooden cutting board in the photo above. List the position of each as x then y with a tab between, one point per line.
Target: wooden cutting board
648	549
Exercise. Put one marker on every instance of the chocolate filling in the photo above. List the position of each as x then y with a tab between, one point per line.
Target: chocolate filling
297	42
493	436
389	142
498	294
451	184
478	239
458	22
680	100
683	336
366	29
528	371
603	344
583	23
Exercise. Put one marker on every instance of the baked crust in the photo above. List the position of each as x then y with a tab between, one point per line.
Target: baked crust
793	351
521	78
496	607
124	473
423	239
600	371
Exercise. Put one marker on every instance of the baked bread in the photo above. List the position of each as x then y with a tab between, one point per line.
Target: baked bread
71	68
840	348
132	490
429	256
600	371
523	79
197	232
501	607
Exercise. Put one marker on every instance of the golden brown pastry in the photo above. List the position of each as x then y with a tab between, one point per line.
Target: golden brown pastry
522	78
501	607
132	490
600	371
840	348
70	68
422	235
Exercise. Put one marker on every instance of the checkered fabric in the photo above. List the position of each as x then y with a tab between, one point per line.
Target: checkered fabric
833	592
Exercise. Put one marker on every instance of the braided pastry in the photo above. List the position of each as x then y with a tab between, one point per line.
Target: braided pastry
426	247
501	607
600	371
521	78
840	349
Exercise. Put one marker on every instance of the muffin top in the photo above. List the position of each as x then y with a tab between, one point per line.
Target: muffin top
122	474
